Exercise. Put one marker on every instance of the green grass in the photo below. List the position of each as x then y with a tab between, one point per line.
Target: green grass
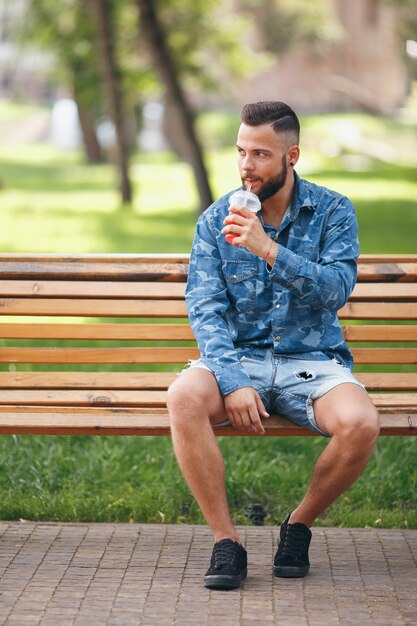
53	202
133	479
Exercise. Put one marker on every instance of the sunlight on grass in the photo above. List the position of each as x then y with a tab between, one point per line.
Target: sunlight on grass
53	201
163	187
12	112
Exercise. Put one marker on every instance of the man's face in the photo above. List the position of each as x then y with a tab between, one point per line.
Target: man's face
262	160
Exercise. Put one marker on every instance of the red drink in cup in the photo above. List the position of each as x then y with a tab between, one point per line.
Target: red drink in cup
245	198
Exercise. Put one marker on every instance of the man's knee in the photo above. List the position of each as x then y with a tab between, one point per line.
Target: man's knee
192	396
180	397
358	423
347	411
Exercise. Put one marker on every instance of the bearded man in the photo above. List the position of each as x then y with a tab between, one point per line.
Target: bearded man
263	309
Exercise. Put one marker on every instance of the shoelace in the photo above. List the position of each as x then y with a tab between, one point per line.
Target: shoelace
224	554
294	543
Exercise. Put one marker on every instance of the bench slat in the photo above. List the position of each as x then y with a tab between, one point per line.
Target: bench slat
98	355
384	291
384	332
378	310
92	289
90	380
385	355
401	271
391	381
93	308
176	332
175	308
169	355
84	397
136	332
147	398
102	289
390	267
117	269
131	423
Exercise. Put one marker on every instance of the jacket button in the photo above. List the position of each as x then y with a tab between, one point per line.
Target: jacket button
278	337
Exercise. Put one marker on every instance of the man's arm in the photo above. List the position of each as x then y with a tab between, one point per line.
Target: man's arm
325	284
207	305
328	283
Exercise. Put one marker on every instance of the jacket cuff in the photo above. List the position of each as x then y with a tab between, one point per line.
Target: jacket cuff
286	266
230	378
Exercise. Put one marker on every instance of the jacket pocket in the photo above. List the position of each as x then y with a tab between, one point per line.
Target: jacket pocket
241	283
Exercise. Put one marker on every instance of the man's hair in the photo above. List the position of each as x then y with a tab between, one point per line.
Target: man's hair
278	114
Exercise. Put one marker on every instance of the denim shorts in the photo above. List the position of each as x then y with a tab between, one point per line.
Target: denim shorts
288	385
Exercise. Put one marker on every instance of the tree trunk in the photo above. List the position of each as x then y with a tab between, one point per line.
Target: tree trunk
112	93
91	144
155	36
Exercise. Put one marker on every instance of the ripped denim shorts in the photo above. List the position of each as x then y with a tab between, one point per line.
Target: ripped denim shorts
289	385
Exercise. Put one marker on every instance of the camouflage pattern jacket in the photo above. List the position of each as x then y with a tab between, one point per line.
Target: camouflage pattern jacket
239	306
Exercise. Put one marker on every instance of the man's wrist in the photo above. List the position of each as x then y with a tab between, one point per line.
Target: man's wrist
271	253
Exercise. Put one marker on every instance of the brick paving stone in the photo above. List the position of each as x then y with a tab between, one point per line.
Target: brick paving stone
111	574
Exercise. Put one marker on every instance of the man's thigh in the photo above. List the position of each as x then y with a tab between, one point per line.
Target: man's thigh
300	383
198	386
345	406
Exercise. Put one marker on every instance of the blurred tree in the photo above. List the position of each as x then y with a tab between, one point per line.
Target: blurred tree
65	29
111	82
153	30
284	24
185	49
196	47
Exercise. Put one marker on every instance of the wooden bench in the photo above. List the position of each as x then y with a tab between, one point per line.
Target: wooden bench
83	340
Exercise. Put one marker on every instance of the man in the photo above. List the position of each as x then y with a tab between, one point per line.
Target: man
264	312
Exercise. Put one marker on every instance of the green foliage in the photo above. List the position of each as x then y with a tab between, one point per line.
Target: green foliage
205	42
67	29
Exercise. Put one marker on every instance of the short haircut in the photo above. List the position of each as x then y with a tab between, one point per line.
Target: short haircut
278	114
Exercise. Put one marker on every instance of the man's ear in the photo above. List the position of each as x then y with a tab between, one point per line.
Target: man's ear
293	154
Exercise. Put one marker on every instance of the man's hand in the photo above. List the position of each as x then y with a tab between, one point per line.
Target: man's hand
245	408
248	230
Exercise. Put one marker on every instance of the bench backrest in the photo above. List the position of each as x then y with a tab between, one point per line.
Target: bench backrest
106	323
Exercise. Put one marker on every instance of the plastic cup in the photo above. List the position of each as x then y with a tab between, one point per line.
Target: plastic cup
244	198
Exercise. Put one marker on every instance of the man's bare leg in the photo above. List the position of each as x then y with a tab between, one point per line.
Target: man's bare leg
347	414
194	403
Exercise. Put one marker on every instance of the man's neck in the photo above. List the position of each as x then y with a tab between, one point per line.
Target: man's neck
274	208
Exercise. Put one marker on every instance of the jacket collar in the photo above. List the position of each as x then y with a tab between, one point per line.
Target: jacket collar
302	197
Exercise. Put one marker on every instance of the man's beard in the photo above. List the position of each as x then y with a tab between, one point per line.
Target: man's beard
274	184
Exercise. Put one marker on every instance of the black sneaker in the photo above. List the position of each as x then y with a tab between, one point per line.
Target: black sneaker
228	566
291	558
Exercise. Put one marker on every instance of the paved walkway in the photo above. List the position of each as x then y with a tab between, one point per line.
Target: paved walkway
151	575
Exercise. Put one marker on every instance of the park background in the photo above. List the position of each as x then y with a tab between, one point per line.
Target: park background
118	122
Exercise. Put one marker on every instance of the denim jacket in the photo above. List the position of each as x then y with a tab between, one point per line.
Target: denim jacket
239	306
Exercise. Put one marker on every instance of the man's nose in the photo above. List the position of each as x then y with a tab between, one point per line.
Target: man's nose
247	164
